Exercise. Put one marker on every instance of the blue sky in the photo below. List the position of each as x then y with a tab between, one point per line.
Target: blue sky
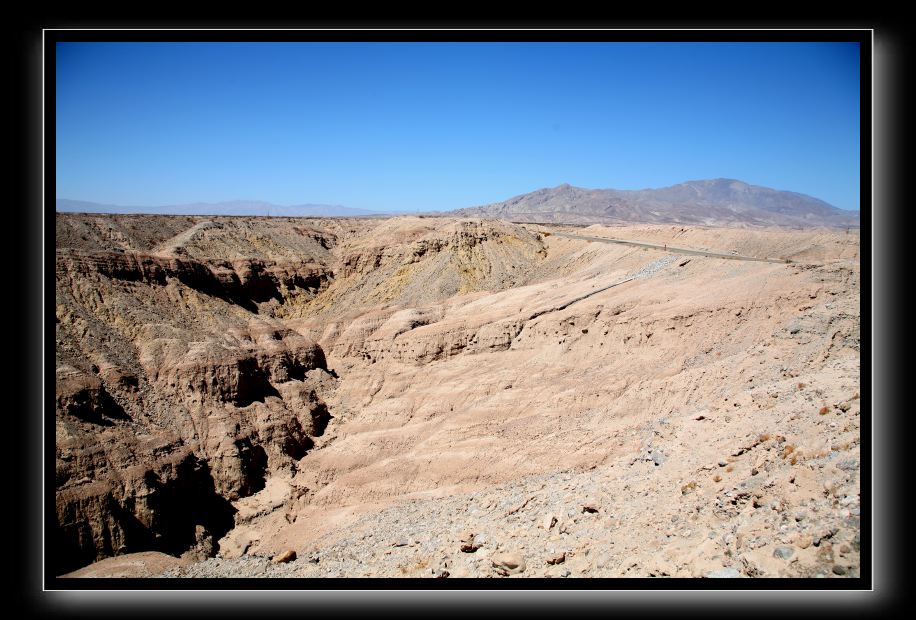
430	126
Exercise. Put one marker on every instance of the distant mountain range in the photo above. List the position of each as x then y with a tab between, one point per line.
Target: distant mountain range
234	207
714	202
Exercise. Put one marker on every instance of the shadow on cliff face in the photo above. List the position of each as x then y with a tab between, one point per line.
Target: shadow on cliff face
256	282
320	419
185	502
172	512
254	467
259	287
253	384
93	405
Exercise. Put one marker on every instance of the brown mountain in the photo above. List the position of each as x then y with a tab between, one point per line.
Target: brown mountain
716	202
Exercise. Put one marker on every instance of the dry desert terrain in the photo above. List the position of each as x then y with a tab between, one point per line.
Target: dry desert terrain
453	397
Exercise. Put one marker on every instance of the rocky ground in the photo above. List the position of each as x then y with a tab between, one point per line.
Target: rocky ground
432	397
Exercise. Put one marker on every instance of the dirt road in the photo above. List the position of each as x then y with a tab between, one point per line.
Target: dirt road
675	250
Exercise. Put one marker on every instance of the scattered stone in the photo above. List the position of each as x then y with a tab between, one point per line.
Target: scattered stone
287	556
783	553
400	543
468	543
848	465
723	463
549	522
557	558
508	563
590	508
803	542
442	574
722	573
839	569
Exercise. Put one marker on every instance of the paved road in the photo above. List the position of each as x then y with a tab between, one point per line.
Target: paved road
674	250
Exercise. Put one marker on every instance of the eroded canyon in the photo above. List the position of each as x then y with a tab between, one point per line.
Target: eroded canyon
434	396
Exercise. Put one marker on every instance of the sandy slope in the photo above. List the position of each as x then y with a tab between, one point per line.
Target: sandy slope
489	379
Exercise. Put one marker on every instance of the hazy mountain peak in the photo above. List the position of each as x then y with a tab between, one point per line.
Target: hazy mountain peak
228	207
710	202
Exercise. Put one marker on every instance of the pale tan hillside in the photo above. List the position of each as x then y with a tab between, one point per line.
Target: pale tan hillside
373	394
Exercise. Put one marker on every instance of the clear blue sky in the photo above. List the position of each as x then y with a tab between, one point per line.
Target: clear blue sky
440	126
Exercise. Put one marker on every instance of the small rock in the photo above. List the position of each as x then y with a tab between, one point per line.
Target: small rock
442	574
400	543
783	553
723	463
848	464
722	573
557	558
590	508
839	570
508	563
803	542
467	542
549	522
287	556
565	573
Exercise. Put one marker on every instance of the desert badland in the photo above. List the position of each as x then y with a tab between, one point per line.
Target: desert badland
454	397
